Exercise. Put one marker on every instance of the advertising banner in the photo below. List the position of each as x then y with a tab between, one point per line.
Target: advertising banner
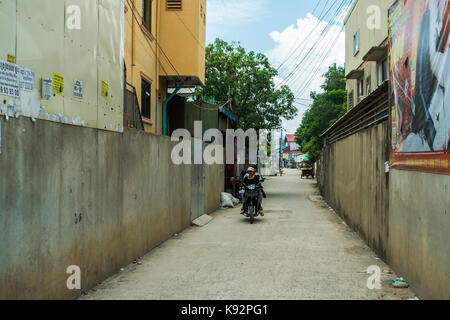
419	52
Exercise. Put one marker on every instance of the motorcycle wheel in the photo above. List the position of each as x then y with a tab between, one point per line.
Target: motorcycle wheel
251	214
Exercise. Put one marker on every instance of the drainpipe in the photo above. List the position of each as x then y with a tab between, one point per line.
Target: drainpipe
158	88
164	112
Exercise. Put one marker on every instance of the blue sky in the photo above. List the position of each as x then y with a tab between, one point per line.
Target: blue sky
253	28
275	27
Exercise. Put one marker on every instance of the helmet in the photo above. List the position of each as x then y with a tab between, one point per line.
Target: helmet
251	169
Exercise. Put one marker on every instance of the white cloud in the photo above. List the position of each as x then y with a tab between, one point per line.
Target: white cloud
306	68
221	14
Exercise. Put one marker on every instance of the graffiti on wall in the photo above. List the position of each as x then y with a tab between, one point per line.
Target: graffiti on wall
419	52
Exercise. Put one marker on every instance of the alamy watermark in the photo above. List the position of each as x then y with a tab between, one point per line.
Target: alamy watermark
233	150
374	17
74	280
73	17
374	281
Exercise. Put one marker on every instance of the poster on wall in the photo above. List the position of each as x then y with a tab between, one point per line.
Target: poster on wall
419	52
26	79
9	79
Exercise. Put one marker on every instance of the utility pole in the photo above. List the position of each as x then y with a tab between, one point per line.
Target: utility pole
281	146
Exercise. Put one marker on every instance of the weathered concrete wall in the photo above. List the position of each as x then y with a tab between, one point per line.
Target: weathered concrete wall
419	231
403	215
79	196
354	183
214	186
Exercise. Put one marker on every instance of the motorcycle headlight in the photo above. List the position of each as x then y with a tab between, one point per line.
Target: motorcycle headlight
251	187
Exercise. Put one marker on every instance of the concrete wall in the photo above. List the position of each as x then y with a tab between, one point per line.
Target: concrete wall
214	186
404	215
354	183
81	196
419	231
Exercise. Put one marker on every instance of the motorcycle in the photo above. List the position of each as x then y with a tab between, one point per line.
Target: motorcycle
251	201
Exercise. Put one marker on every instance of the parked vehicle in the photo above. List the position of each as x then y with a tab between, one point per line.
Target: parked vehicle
252	193
307	169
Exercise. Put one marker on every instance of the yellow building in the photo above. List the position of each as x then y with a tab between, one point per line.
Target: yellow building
164	48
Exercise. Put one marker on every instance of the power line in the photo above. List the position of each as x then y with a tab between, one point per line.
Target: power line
147	51
320	64
303	62
187	28
145	37
319	22
156	41
299	61
291	52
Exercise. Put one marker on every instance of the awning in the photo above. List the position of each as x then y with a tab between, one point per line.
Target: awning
376	54
228	114
355	74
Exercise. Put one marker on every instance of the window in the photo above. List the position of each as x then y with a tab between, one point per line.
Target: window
355	43
368	84
360	88
147	14
350	100
174	5
146	98
382	71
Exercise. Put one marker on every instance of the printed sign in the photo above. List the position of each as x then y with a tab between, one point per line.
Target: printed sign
58	84
26	79
105	89
47	86
9	79
11	58
78	89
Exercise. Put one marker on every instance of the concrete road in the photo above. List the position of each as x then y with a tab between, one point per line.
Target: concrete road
299	250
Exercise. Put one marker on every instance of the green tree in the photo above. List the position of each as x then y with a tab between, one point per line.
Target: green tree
326	109
248	79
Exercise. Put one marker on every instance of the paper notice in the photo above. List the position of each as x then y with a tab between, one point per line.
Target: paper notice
58	84
11	58
105	89
47	86
26	79
9	79
78	89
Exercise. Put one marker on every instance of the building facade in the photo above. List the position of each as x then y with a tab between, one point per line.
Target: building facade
164	48
366	48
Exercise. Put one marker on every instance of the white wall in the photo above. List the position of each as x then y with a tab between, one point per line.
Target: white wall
37	34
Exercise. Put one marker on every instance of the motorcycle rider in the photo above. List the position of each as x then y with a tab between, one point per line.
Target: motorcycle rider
252	178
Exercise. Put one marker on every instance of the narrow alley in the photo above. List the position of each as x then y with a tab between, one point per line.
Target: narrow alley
299	250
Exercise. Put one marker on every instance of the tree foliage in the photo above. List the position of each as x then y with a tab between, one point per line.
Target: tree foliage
326	109
248	78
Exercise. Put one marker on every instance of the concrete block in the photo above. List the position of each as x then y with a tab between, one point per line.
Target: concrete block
202	221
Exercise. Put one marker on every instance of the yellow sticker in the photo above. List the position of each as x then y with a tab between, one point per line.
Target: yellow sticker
105	89
58	84
11	58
